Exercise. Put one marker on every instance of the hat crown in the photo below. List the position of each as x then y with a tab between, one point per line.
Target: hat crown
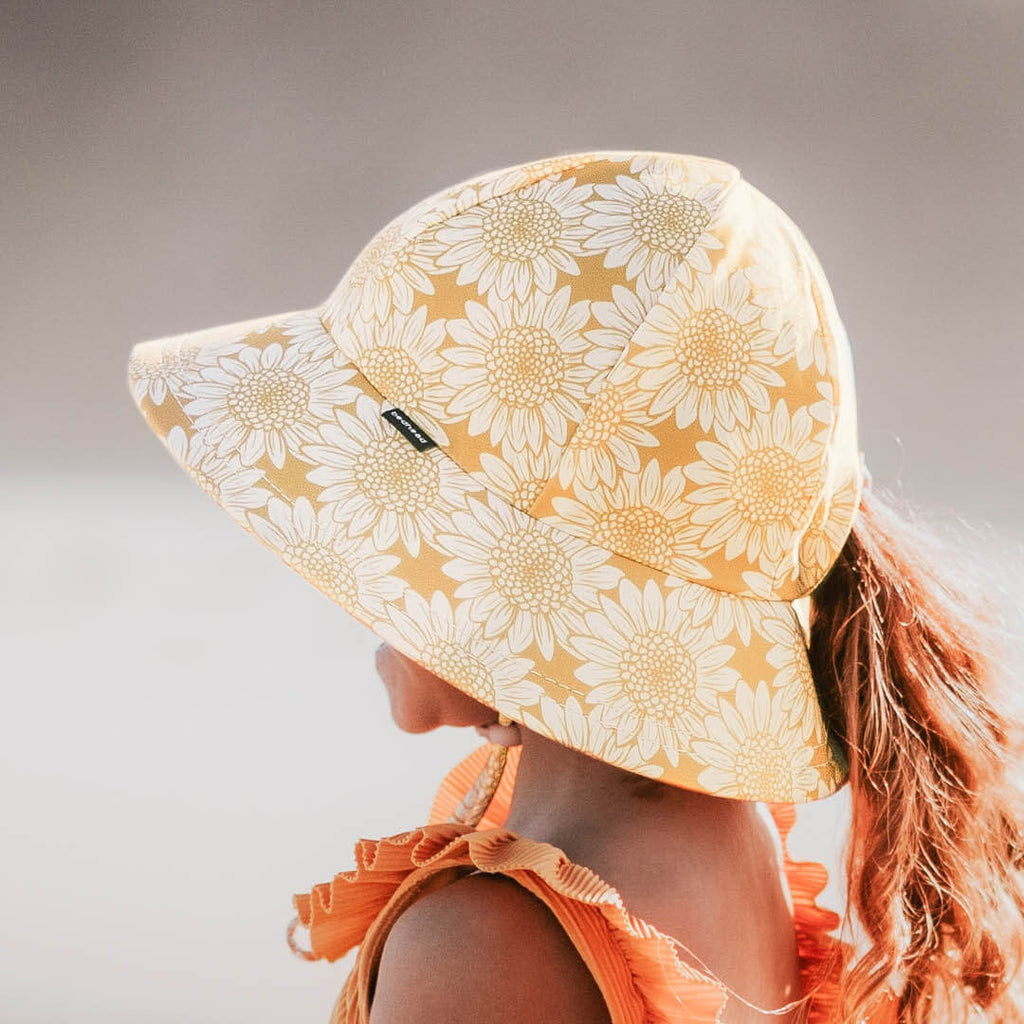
638	348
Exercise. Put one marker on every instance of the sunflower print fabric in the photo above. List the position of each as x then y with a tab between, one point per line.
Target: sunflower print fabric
641	402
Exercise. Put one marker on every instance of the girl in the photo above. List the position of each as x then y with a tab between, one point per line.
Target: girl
577	439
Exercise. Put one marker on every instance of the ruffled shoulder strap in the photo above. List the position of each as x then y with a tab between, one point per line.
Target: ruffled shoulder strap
635	965
823	957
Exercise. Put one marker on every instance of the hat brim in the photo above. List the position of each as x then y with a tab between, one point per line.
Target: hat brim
656	674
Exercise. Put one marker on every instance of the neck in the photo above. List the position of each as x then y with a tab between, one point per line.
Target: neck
580	804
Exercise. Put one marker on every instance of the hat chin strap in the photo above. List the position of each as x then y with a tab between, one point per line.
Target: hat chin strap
502	734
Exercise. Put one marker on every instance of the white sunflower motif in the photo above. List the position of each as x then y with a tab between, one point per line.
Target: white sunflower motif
520	477
652	228
778	291
448	642
721	611
379	484
619	320
642	516
308	332
788	655
749	751
517	369
824	342
391	268
464	195
569	725
153	370
518	241
401	359
556	165
608	440
826	534
762	582
800	313
704	354
521	582
420	218
225	479
820	543
430	212
787	652
685	173
755	484
267	400
350	571
650	668
824	410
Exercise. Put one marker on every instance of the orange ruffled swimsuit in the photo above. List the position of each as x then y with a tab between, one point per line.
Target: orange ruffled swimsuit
634	964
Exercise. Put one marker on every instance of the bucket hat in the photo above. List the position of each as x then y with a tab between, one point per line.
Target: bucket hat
577	435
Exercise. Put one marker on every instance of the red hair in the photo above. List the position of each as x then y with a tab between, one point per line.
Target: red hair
909	650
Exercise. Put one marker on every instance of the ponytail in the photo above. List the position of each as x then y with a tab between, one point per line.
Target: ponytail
907	647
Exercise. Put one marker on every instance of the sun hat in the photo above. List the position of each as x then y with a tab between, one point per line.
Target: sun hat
579	436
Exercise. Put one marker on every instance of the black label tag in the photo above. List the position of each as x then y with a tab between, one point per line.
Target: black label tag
412	433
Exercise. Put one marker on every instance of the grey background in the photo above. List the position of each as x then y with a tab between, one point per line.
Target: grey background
190	732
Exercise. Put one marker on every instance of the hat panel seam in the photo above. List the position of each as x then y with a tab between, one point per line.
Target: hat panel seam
721	195
660	574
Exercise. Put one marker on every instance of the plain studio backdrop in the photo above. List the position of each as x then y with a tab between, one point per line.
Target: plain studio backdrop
190	732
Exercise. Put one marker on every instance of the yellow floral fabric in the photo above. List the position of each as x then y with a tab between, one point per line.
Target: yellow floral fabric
646	457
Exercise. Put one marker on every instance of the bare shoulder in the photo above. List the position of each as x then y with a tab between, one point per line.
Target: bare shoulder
482	948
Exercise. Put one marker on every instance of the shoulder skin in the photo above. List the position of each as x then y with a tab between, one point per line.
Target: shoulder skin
483	948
